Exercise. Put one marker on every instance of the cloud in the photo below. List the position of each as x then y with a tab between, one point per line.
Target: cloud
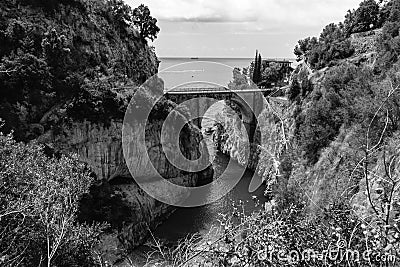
235	28
199	10
263	12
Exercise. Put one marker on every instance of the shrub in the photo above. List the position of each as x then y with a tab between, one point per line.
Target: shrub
287	238
39	199
53	51
331	46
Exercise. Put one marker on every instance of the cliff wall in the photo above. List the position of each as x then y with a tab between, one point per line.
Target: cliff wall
117	199
274	131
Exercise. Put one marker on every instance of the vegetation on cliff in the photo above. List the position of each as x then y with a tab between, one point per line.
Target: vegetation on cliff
346	122
62	62
39	201
69	54
337	190
265	73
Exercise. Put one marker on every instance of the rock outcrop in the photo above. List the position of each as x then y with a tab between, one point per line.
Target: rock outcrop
117	198
275	129
365	45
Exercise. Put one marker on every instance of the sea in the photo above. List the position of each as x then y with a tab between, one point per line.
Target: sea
232	62
190	71
182	71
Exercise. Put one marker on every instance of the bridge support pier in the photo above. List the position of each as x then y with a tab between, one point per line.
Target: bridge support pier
249	101
197	122
251	130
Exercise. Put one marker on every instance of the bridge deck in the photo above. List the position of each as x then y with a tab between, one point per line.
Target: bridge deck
221	90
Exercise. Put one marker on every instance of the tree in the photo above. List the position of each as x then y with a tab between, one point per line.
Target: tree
49	57
331	46
146	24
304	47
273	73
389	41
255	68
39	200
330	33
259	70
349	22
394	11
120	12
239	81
245	71
51	5
366	17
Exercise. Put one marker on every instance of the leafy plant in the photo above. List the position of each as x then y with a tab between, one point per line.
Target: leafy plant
146	24
39	200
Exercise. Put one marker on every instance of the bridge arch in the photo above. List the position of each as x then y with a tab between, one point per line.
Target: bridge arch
246	114
249	102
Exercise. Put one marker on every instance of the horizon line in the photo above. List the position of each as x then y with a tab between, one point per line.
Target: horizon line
194	57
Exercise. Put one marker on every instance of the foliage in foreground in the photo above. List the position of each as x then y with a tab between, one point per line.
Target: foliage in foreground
287	238
39	200
344	156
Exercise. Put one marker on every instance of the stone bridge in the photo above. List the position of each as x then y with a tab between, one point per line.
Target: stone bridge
250	102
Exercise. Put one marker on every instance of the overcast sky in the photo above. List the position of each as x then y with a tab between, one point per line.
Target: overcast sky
236	28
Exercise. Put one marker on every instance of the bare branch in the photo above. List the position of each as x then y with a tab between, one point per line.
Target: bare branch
8	71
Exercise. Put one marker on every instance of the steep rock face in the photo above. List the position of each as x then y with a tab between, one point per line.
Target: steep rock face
97	145
277	157
275	129
335	176
101	147
131	212
365	45
383	189
117	199
365	42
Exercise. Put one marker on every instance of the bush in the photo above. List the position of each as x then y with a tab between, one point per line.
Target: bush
287	238
365	18
348	95
321	125
97	106
53	51
39	200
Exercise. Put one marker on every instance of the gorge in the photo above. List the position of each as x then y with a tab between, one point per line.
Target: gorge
315	154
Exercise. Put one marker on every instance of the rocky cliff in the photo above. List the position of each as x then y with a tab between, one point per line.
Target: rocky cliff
100	146
274	132
314	121
117	199
60	64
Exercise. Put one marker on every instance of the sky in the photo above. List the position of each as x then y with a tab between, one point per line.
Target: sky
236	28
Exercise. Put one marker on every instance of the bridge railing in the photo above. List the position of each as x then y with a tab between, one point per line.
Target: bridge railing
215	90
196	89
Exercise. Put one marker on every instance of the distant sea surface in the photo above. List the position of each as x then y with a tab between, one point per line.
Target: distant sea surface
180	71
185	71
232	62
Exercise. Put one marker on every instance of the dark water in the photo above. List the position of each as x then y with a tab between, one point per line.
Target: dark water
203	220
200	220
186	221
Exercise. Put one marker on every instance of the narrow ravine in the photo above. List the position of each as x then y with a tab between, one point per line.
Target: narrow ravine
186	221
201	220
